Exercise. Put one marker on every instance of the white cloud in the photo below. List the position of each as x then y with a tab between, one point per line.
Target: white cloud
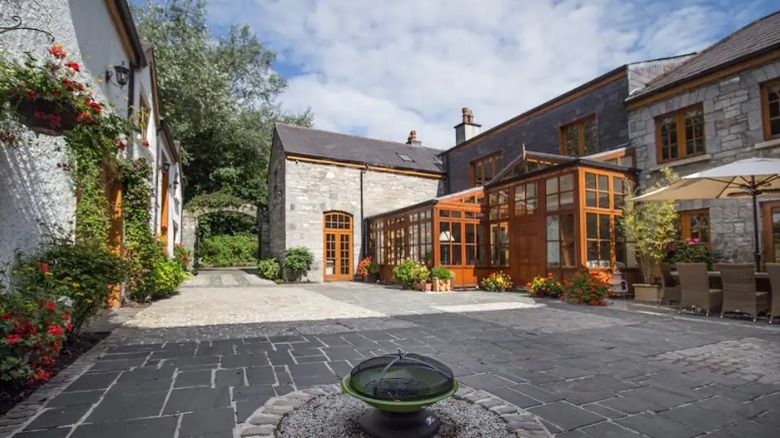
383	68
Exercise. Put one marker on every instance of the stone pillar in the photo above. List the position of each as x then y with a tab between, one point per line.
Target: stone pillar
189	231
264	224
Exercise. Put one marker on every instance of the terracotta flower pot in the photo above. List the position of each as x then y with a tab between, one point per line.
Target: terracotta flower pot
46	117
428	287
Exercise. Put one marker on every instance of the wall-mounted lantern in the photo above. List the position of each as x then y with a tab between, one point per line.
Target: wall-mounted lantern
121	74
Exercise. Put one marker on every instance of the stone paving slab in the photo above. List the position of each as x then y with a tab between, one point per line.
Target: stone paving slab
582	371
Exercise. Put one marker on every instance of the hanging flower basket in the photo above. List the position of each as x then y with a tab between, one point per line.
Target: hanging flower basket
46	117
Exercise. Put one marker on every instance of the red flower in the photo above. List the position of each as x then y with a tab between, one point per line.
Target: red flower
80	86
56	92
42	374
120	145
51	306
55	120
12	339
68	326
55	330
44	265
69	84
94	105
31	94
57	51
40	115
73	66
6	316
146	143
66	316
84	117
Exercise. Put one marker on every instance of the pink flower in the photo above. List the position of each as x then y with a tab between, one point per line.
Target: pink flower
57	51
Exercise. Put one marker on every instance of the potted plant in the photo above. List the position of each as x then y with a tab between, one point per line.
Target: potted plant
497	282
547	286
405	273
442	279
691	251
422	277
369	270
651	226
588	288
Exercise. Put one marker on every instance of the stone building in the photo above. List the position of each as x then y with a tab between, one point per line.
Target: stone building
322	185
37	198
721	105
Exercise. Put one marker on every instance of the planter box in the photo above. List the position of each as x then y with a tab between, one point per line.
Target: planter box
27	110
647	293
442	285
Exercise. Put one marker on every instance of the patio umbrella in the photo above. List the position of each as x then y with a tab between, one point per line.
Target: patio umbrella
750	178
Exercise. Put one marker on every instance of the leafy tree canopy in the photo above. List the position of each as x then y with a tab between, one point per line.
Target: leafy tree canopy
219	96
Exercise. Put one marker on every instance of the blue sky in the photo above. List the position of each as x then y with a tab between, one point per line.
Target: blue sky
383	68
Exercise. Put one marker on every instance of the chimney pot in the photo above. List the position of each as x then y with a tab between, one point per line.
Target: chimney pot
412	139
467	128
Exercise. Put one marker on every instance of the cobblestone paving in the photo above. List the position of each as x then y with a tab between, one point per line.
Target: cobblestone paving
200	363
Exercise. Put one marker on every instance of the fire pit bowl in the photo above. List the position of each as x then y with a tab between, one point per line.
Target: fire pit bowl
400	387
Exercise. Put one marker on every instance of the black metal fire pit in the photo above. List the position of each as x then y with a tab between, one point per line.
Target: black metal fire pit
400	387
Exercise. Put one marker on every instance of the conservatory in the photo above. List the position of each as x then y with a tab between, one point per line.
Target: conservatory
542	213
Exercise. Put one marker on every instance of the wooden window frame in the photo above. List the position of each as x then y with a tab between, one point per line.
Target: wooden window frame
685	223
521	203
477	170
613	211
679	119
765	108
767	230
580	122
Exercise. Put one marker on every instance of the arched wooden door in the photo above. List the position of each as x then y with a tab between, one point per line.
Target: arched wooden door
337	244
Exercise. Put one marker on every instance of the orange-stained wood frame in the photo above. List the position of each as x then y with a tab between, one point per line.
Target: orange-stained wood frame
768	135
496	160
581	139
767	231
113	189
685	223
679	117
338	234
164	215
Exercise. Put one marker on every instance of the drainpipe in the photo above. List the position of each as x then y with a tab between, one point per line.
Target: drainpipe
131	91
363	239
156	176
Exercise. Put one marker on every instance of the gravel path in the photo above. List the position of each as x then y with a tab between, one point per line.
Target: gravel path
338	415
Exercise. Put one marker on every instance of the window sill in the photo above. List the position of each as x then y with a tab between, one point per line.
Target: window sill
683	162
768	143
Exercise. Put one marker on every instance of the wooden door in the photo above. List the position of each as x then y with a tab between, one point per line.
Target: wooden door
527	252
337	244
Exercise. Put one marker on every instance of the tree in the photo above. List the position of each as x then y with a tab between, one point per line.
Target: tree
219	97
652	226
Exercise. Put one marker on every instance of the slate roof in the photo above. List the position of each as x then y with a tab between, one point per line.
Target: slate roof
754	39
314	143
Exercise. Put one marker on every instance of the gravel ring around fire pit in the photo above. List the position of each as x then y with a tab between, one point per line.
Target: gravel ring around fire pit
325	412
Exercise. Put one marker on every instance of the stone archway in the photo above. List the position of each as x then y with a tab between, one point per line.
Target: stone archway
191	216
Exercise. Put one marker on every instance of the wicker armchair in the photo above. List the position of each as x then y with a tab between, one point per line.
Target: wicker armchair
671	285
695	288
773	269
739	290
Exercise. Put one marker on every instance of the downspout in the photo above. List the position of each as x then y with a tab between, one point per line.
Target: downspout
156	176
363	238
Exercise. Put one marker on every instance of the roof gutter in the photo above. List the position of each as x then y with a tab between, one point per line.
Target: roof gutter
123	8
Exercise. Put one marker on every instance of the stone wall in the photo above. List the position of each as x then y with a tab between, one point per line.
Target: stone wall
733	130
276	197
37	197
313	189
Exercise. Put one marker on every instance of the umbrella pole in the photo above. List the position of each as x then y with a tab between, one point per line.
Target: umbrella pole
755	229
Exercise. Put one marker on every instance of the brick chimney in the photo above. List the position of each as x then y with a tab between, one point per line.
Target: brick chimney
412	139
467	128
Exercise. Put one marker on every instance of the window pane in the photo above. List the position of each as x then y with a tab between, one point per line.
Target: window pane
590	199
590	181
503	211
567	198
445	254
592	225
456	232
444	213
553	254
617	184
553	232
482	243
471	255
567	240
531	206
604	227
603	199
504	235
503	256
591	137
551	185
552	202
604	257
593	253
530	190
471	233
567	182
456	253
603	182
455	214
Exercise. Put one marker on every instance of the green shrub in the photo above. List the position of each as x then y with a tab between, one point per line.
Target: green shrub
182	255
441	273
32	330
269	268
81	271
406	272
297	262
226	250
167	276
